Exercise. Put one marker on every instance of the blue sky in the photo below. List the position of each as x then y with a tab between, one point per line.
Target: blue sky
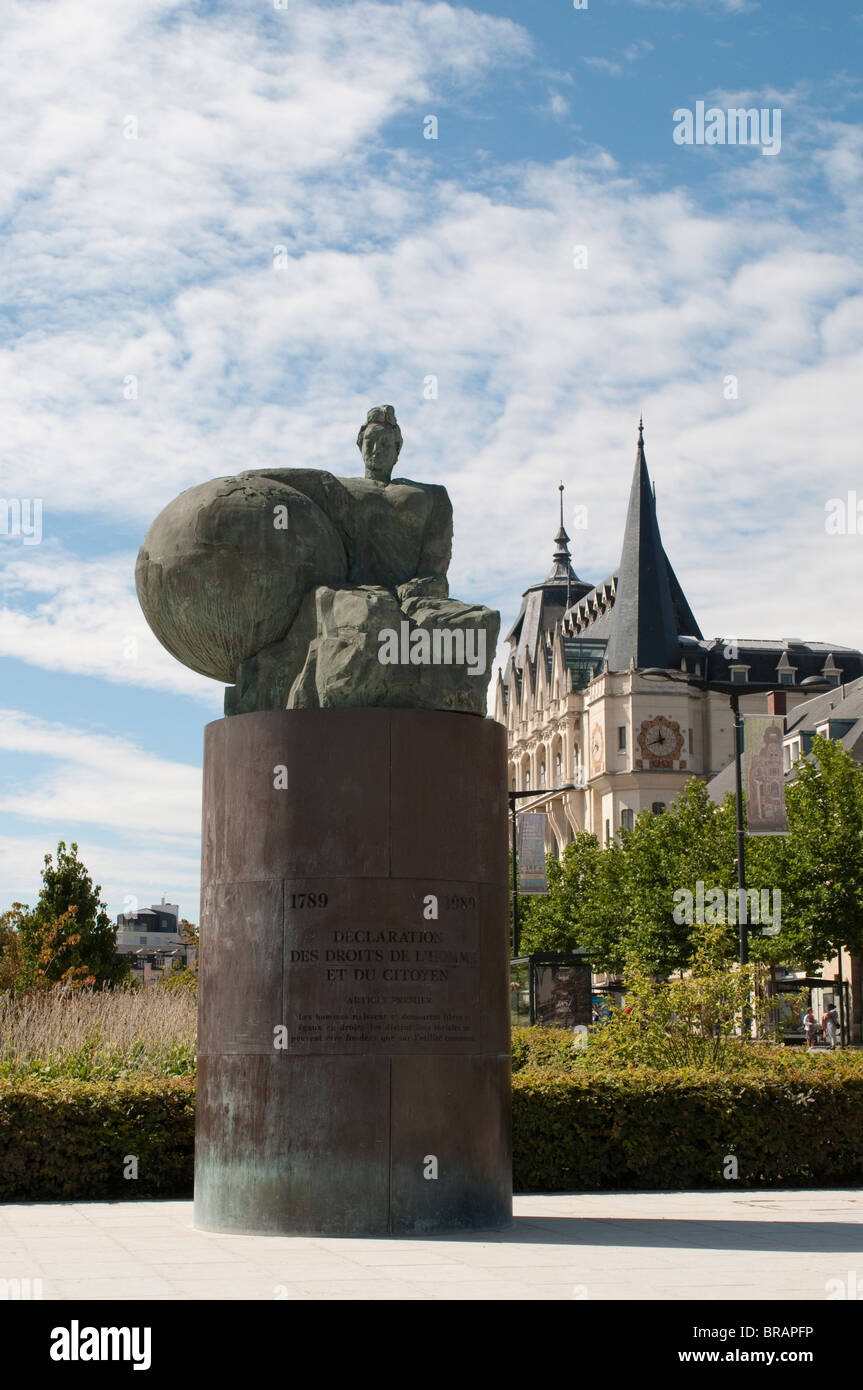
156	154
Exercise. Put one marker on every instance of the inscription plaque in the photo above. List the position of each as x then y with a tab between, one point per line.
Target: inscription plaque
410	981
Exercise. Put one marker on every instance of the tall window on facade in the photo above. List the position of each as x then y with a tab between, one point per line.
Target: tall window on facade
608	832
791	754
691	749
527	781
558	769
542	774
627	819
621	738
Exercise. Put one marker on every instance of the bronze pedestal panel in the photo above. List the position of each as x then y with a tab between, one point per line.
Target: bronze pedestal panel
354	1073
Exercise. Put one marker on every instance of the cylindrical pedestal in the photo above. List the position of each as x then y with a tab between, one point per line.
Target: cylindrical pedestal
354	1041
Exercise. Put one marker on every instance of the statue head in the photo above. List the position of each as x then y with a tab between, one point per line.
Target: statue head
380	441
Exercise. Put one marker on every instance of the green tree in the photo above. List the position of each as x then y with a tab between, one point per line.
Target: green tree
11	949
619	903
558	920
662	858
622	903
68	937
819	866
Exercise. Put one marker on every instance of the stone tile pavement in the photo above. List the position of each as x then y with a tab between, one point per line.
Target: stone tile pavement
740	1245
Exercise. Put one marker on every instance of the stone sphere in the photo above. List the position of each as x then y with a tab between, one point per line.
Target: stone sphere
224	568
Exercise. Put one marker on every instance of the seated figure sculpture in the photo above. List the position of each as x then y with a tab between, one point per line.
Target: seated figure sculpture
299	589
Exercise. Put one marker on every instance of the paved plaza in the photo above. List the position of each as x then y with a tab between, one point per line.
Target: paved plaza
681	1245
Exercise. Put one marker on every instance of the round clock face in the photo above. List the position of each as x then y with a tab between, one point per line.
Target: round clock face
660	740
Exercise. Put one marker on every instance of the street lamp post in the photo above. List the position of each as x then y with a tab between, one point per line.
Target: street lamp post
538	801
742	925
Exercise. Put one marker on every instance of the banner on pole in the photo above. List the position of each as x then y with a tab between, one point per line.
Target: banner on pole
531	852
763	776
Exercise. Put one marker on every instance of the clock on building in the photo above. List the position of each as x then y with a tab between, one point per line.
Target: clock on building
596	748
660	742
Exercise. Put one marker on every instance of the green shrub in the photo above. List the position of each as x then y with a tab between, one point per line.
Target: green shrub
544	1047
69	1140
578	1125
583	1129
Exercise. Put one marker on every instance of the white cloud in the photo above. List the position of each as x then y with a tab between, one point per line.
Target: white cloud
82	616
84	786
606	65
99	779
145	871
558	106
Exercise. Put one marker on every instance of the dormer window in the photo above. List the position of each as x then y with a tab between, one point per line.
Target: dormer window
740	674
785	671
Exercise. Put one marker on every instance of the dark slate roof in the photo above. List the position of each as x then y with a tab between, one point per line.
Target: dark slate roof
641	610
766	657
649	605
845	702
543	605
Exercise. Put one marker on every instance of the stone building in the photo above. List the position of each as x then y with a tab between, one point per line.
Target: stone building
152	936
578	709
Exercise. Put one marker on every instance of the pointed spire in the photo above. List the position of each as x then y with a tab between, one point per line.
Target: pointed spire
644	627
562	567
562	558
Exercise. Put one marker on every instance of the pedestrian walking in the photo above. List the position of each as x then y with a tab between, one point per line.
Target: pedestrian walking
830	1024
810	1026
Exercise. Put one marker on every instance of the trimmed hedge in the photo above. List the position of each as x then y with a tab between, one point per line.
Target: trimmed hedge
646	1130
67	1140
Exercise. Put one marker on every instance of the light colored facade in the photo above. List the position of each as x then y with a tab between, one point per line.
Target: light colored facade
628	744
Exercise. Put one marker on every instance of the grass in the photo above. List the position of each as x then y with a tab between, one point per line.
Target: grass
98	1035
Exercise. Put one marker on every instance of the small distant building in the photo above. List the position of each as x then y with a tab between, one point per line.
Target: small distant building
152	936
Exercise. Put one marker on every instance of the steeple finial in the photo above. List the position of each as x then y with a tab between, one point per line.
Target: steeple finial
562	558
